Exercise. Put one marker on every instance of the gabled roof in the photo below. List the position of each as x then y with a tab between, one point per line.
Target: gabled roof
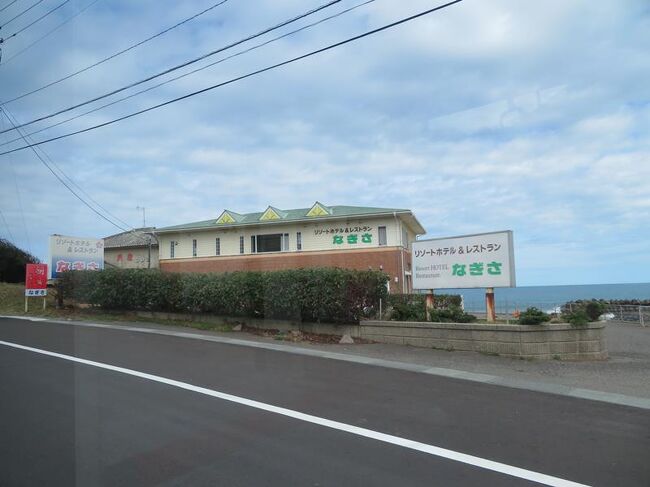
138	237
318	211
228	216
272	213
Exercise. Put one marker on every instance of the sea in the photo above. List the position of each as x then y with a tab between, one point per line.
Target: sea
548	298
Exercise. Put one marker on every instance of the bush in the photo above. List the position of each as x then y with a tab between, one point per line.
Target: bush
454	314
533	316
407	307
577	318
312	295
593	309
412	307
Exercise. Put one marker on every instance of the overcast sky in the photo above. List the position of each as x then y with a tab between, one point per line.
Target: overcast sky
507	114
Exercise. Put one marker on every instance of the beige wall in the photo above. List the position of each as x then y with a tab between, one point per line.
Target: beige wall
139	257
314	236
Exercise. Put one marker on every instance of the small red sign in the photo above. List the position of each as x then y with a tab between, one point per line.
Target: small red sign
36	280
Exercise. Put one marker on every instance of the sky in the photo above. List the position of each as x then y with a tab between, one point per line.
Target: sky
529	116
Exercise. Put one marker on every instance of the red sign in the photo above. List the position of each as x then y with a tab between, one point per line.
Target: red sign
36	280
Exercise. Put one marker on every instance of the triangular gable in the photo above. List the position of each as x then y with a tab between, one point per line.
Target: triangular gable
318	210
270	214
226	217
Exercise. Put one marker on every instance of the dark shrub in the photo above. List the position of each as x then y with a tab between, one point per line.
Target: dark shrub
593	309
412	307
577	318
533	316
453	314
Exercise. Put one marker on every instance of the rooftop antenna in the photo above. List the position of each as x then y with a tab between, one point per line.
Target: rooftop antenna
144	223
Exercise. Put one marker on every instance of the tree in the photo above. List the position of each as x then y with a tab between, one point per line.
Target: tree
13	261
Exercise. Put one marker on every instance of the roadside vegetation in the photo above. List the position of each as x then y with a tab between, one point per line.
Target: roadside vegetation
326	295
412	307
13	261
580	313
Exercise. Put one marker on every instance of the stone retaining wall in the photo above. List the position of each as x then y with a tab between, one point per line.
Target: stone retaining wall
558	341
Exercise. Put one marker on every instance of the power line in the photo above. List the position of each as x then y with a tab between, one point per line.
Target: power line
252	48
242	77
8	5
21	13
204	56
174	68
129	227
7	226
56	175
20	201
52	10
29	46
119	53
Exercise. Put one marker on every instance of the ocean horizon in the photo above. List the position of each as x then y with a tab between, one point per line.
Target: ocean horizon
549	297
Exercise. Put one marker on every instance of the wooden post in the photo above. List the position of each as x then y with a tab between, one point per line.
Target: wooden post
489	305
429	304
44	302
26	304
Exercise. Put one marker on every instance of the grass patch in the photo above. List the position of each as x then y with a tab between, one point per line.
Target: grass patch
12	302
489	354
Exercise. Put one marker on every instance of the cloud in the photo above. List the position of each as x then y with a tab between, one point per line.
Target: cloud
487	115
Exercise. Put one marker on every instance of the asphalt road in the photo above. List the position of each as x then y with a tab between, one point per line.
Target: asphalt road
69	423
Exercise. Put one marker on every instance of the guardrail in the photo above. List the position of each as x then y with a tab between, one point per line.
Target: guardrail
626	313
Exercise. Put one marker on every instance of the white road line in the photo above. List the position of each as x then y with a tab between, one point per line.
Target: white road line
355	430
510	382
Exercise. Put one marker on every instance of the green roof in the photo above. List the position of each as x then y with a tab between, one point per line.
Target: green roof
298	214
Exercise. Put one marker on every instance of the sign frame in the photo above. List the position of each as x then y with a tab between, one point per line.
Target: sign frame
511	259
75	253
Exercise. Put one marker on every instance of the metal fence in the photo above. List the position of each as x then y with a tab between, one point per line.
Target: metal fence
508	310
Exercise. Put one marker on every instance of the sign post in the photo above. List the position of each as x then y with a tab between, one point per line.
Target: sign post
490	312
429	303
35	283
483	261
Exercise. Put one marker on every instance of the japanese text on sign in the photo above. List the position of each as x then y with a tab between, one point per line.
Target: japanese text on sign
75	254
472	261
339	230
36	280
352	238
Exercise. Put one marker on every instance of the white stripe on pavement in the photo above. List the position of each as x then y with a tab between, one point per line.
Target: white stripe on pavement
355	430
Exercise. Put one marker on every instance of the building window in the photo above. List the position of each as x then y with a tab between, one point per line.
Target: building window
217	246
405	238
298	241
276	242
172	244
194	248
241	244
382	235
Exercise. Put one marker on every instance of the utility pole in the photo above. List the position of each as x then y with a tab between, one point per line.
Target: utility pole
144	222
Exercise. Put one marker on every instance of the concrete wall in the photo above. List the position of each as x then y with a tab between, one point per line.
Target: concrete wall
119	257
545	342
561	341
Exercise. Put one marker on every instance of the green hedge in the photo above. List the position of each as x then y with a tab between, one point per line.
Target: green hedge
312	295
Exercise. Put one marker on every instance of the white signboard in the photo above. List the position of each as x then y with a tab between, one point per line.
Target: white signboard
75	254
470	261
